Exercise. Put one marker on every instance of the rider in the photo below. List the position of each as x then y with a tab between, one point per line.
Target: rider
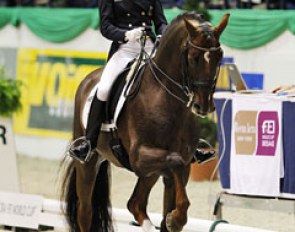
122	22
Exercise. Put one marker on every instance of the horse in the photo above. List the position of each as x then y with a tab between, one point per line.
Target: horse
158	128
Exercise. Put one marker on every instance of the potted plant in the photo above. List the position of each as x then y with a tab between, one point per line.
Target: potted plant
10	94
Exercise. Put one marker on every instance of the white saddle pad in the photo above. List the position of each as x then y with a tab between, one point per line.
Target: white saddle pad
122	99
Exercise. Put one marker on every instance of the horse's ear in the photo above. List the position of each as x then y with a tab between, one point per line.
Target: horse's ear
221	25
190	27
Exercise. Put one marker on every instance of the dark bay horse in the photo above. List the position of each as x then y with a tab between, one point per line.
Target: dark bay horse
158	128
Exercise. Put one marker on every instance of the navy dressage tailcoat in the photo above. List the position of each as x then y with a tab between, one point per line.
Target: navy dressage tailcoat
119	16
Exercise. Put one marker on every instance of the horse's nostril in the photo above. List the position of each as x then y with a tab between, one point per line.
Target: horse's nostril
197	106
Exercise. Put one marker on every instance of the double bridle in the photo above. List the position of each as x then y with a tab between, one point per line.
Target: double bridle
187	84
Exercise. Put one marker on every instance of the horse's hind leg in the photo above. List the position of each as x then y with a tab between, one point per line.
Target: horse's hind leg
137	203
176	219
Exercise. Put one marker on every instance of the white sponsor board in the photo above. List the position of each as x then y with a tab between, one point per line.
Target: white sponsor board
9	180
20	210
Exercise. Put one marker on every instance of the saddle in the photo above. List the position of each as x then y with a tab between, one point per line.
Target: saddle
125	87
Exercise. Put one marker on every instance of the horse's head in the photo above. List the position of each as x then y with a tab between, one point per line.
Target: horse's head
202	56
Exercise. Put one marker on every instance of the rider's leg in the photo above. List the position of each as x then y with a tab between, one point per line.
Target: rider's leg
95	118
112	69
114	66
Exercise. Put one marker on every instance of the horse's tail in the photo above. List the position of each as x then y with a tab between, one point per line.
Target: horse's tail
102	213
69	196
101	204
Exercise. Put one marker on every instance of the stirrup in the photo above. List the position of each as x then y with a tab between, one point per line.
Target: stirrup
83	158
201	156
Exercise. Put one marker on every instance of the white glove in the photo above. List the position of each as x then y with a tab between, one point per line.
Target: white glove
134	34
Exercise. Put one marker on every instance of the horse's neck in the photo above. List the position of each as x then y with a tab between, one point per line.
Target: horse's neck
169	60
169	53
158	91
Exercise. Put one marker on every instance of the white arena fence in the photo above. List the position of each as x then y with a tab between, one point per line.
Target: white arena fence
35	212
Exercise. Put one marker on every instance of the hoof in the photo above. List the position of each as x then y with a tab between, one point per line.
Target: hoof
170	224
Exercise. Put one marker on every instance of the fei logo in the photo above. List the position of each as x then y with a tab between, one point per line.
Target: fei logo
268	132
256	133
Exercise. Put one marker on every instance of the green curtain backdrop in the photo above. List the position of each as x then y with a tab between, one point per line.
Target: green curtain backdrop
247	29
254	28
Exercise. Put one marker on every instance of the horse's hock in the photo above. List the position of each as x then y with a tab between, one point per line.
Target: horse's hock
203	172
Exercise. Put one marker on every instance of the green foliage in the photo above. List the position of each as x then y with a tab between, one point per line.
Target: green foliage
10	94
208	130
197	6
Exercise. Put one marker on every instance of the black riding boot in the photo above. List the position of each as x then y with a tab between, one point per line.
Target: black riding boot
96	115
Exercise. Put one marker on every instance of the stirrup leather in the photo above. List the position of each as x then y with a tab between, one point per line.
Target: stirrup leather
74	146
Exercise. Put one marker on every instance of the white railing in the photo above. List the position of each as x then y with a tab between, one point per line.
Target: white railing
51	216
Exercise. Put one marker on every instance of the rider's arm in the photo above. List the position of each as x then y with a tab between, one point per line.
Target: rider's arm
107	19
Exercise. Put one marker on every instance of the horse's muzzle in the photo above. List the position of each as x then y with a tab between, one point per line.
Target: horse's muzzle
202	111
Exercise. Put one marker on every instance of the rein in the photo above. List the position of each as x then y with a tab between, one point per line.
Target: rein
186	82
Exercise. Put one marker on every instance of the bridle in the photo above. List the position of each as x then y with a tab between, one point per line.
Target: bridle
185	73
187	84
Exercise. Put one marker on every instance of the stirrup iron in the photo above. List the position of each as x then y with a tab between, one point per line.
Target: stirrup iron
201	156
75	144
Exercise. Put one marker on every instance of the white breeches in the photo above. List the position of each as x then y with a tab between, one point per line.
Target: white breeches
116	64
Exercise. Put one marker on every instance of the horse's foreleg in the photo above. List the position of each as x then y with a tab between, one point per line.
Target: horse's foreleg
152	160
178	217
85	182
137	203
169	199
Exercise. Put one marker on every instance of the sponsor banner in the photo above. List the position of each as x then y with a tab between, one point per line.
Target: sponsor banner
50	79
20	210
256	148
